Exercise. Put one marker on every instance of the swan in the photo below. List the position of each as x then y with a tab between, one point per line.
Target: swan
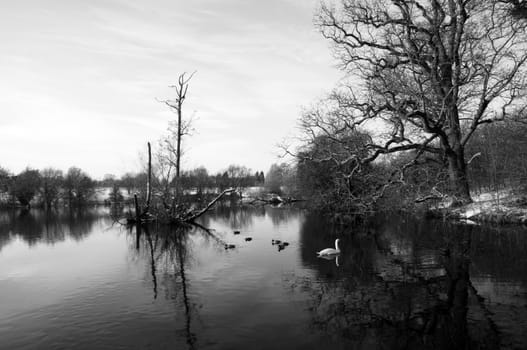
330	251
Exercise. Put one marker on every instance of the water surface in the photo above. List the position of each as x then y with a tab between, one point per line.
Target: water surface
80	280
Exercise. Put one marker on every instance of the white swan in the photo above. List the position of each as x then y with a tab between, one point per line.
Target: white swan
330	251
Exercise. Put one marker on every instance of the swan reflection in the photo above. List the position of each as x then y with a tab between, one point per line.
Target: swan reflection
331	257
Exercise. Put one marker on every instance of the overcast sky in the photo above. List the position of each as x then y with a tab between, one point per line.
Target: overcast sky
79	79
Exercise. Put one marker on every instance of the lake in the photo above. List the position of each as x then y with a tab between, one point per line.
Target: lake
79	280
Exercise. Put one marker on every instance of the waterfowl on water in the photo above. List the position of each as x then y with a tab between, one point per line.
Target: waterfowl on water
282	245
230	246
236	232
330	251
248	239
276	241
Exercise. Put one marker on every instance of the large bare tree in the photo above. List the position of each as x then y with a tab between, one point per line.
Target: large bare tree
427	72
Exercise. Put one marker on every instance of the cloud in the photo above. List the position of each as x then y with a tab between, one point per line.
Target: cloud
83	76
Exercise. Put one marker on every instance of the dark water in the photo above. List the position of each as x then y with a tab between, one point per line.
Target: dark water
75	280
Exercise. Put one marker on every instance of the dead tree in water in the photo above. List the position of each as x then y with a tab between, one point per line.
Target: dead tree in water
169	157
171	154
144	215
174	217
149	181
170	214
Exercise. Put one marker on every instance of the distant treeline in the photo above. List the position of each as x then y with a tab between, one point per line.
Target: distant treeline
199	179
48	187
52	187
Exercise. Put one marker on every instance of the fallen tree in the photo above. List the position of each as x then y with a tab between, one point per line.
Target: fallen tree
275	200
190	215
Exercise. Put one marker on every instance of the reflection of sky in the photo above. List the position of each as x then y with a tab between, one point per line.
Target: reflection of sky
86	75
44	274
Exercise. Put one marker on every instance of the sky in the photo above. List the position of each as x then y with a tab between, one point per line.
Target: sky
81	80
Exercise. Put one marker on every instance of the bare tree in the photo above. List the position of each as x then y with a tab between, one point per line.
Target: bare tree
4	179
428	73
169	159
280	176
239	176
171	152
51	182
199	179
78	186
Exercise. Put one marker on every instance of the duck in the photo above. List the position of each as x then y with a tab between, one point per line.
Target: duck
330	251
230	246
275	241
236	232
282	245
248	239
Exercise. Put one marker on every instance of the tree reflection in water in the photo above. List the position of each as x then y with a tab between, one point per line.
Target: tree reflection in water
235	217
39	226
169	251
244	216
397	287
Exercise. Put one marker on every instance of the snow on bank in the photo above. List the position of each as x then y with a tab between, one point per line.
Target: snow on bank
505	206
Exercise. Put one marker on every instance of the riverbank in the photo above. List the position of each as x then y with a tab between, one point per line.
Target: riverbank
502	207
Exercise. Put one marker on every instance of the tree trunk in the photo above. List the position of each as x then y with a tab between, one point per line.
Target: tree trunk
137	211
457	173
457	166
179	134
148	181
